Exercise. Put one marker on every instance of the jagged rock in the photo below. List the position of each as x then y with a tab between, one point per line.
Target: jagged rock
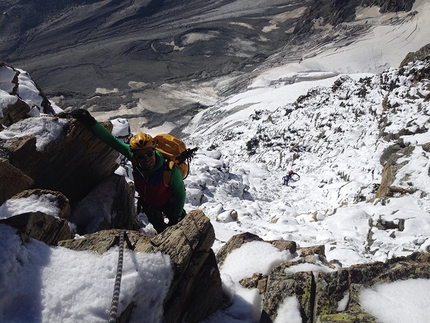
391	6
319	296
421	54
189	245
12	180
195	291
258	280
238	240
235	242
13	81
280	286
314	250
389	174
73	164
110	205
14	112
282	245
40	226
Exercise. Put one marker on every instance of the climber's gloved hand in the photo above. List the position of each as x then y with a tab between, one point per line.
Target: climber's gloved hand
83	116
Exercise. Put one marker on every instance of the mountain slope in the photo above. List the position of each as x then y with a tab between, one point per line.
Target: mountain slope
110	54
360	146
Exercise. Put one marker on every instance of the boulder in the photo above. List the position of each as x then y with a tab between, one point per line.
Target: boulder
38	225
195	291
14	112
74	163
238	240
12	180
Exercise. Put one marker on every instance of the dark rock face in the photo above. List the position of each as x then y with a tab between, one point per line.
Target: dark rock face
73	165
421	54
390	6
335	12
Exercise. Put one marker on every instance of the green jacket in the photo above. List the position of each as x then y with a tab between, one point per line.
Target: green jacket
176	182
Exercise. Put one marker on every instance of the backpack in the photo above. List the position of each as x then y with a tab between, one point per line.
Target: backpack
175	153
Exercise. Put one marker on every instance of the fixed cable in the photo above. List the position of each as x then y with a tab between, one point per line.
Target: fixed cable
115	298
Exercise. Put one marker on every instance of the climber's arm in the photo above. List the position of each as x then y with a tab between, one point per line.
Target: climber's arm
101	132
104	135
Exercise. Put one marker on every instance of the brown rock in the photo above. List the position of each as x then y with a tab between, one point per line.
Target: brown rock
235	242
282	245
257	280
14	112
195	291
60	200
74	164
12	180
40	226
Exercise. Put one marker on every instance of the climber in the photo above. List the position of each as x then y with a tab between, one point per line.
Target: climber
290	176
157	200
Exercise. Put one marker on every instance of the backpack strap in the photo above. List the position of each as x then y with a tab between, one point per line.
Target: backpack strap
167	174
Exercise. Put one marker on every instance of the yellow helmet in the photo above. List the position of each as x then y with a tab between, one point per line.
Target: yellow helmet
141	141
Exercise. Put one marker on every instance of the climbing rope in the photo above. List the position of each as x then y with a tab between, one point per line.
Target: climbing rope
115	298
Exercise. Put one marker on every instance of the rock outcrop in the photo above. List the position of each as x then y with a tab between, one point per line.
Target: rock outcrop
330	293
73	163
421	54
195	291
12	181
337	12
320	294
39	225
